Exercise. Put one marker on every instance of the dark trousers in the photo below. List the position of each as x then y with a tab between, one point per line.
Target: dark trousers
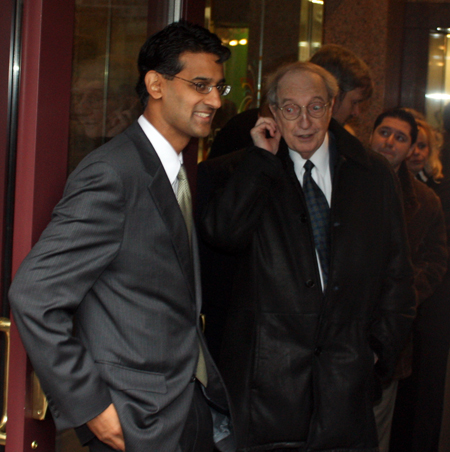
197	435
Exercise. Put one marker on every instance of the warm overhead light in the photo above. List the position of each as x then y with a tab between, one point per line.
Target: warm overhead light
233	42
438	96
317	2
243	42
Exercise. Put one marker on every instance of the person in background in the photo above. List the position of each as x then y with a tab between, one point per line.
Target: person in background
353	77
420	398
394	136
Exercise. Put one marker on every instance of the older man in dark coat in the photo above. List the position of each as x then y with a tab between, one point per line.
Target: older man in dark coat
322	297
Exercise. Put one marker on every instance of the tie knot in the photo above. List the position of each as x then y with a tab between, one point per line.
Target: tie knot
308	165
182	173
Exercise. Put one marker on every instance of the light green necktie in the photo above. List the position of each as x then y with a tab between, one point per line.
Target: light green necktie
185	201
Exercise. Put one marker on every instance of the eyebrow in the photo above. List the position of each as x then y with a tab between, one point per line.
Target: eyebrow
207	80
314	99
396	131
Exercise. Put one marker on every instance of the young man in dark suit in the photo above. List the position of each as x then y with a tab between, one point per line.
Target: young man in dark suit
108	301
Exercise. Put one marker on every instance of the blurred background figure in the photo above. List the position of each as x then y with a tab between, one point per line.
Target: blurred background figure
420	398
395	136
353	76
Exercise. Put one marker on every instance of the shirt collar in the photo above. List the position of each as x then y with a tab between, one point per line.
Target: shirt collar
170	159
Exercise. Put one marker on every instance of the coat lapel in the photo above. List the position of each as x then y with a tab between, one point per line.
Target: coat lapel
164	198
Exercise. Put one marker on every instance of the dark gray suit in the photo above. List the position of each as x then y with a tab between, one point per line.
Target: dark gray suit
115	262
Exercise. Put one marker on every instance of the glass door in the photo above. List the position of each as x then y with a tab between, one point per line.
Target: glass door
438	81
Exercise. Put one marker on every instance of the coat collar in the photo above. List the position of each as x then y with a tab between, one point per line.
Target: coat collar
164	198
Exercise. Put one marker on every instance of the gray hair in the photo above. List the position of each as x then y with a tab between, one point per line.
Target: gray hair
273	81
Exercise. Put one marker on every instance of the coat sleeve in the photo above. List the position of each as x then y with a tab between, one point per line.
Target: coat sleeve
395	311
82	238
229	218
430	261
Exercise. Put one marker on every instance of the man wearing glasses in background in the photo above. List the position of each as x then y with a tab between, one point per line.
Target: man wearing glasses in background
322	296
108	301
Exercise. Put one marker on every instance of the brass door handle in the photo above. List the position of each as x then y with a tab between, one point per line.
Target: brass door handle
5	327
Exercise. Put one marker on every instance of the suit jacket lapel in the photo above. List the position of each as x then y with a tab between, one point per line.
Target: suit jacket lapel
164	198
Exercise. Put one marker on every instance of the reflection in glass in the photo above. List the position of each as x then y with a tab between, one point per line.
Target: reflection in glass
108	35
311	20
438	81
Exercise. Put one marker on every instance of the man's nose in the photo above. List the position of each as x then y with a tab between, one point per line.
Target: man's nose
304	118
390	140
213	99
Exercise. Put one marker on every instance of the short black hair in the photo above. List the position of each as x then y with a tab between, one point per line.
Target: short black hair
403	115
161	52
350	71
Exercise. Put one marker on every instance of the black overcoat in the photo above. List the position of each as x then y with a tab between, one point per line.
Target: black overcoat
299	363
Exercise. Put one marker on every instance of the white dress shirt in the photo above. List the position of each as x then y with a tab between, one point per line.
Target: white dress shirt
320	173
170	159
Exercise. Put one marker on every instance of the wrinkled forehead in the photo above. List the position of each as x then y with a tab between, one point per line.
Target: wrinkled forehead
301	86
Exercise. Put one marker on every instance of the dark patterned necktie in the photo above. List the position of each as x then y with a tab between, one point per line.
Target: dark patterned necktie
319	213
185	202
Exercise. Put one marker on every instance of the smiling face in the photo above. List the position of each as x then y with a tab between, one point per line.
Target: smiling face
175	108
305	134
349	106
421	152
392	139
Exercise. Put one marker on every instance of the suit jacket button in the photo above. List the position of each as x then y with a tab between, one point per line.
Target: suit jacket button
318	351
310	283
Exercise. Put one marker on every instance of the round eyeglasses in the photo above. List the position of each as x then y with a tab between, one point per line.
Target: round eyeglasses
314	109
202	88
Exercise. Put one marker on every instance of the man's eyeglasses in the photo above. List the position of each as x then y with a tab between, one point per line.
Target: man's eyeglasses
202	88
314	109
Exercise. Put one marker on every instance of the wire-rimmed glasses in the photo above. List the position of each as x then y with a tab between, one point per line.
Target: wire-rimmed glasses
293	111
203	88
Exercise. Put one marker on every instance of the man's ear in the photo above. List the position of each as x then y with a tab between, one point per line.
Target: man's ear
332	102
153	82
273	110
